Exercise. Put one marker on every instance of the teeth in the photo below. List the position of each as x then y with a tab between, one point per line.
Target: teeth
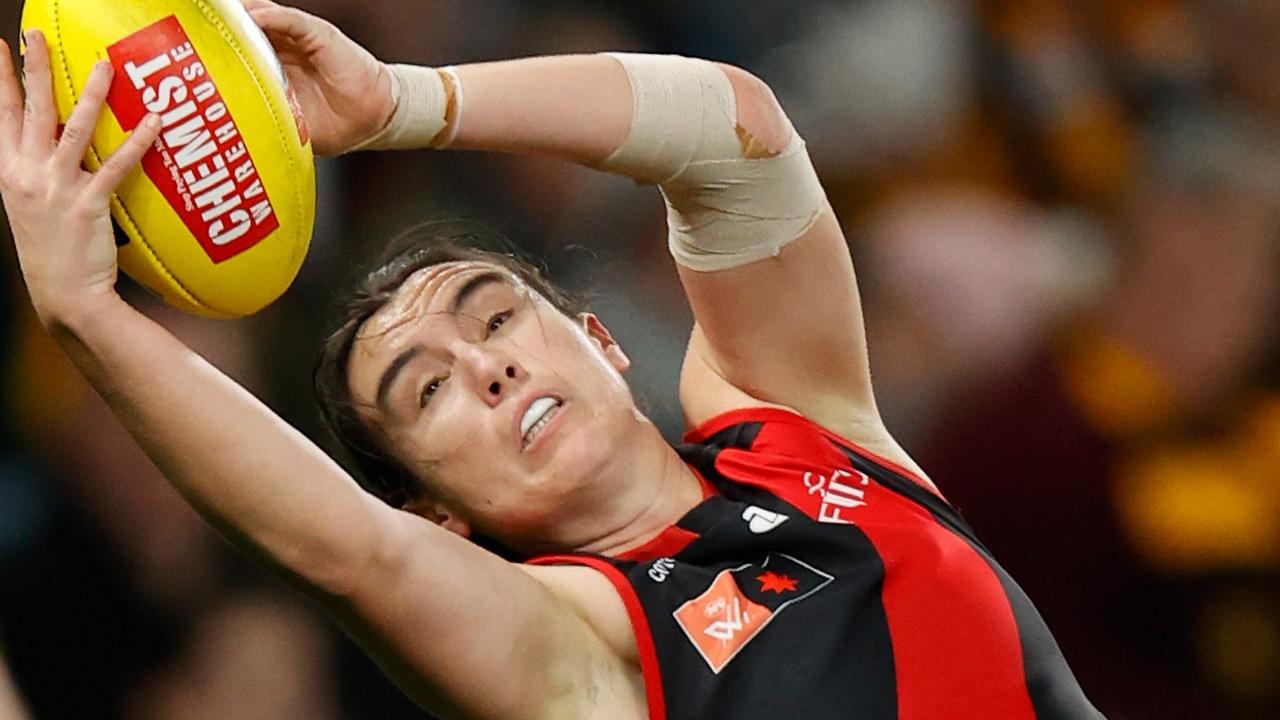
538	426
537	416
536	410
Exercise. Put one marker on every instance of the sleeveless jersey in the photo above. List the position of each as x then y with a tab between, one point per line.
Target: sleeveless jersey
818	581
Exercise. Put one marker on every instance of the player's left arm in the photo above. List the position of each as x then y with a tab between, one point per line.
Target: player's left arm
762	258
786	329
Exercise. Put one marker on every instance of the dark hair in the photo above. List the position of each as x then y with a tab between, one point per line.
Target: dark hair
433	243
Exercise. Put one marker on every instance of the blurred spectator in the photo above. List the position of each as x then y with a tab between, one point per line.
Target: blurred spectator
1035	461
1125	471
962	286
875	82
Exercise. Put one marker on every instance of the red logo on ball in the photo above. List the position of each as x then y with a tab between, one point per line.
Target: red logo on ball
200	162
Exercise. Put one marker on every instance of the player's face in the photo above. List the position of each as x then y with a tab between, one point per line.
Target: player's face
509	407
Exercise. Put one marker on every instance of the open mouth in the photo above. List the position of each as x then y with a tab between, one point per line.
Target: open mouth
536	418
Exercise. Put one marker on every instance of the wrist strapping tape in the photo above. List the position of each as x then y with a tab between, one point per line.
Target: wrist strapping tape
421	97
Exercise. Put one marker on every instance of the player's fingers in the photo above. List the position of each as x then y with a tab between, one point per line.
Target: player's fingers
287	22
255	4
78	133
10	102
41	117
126	157
287	50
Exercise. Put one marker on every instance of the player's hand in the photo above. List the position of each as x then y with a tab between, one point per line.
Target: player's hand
345	92
59	212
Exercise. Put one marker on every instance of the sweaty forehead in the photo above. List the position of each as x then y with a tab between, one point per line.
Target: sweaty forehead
426	292
392	329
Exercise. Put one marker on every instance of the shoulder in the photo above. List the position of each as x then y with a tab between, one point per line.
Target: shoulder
785	434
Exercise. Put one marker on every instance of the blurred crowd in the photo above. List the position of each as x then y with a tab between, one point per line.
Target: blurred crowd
1064	217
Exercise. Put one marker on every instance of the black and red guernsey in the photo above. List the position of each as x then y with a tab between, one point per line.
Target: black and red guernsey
818	581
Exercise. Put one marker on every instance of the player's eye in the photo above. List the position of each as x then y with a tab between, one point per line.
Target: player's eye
428	390
497	321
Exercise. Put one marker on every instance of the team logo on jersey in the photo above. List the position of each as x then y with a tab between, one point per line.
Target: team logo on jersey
742	601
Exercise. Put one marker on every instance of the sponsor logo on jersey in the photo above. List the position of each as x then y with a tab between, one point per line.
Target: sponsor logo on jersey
841	494
661	568
199	163
761	521
742	601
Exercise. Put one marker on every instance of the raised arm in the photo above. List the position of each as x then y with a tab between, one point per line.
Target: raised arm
438	612
782	325
764	263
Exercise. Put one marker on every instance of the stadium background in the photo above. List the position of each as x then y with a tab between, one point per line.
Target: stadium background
1064	214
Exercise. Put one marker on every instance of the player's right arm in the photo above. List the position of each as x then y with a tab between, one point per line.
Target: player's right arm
464	633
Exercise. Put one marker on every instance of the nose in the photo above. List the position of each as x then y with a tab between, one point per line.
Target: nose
490	375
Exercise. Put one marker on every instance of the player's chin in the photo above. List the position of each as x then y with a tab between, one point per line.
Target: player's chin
571	459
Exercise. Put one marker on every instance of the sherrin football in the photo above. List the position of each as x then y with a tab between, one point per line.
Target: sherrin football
219	215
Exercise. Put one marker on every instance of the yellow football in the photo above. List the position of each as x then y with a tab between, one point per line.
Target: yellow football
219	215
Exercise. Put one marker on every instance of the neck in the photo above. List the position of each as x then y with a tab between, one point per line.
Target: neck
659	490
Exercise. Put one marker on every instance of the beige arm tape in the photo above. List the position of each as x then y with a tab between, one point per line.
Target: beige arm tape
427	102
723	210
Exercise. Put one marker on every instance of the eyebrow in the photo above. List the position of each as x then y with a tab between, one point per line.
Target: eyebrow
474	284
393	370
469	288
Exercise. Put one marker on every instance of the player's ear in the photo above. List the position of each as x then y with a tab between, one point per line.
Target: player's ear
598	332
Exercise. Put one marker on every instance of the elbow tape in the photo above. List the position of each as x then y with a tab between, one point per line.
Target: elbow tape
723	210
